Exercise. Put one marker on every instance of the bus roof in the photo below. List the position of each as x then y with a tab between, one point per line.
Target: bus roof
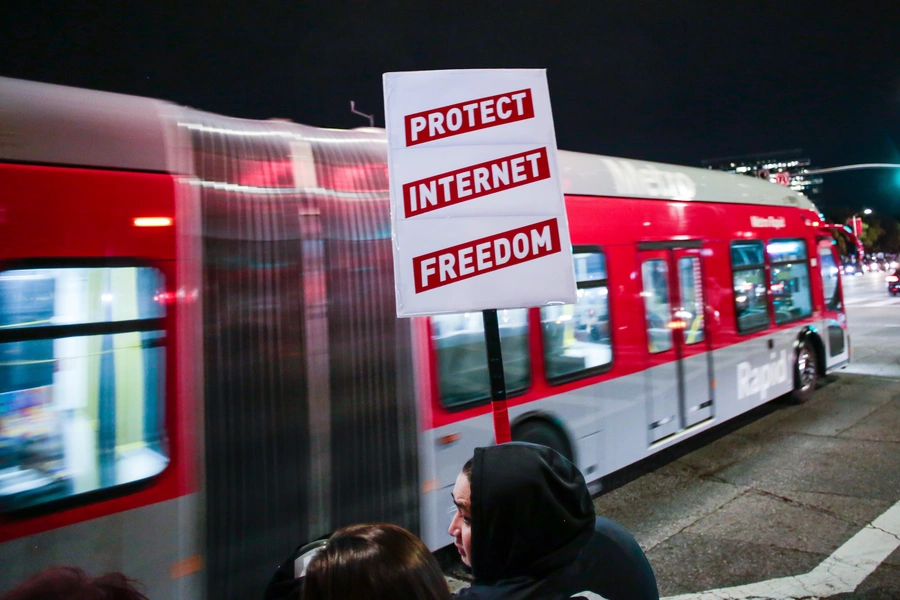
594	175
45	123
55	124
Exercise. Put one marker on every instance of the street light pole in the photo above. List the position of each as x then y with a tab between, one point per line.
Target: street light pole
857	223
851	168
371	118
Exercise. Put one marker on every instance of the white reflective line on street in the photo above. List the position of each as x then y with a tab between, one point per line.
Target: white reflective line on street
878	303
854	301
840	573
862	368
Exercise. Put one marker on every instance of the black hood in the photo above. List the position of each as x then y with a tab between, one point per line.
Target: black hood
531	511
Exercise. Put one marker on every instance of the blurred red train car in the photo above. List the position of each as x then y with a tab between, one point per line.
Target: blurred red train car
201	366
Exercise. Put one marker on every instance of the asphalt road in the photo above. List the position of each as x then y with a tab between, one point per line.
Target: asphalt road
874	319
780	503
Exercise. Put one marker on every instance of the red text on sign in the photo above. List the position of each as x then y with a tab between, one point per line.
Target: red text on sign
498	251
471	115
476	181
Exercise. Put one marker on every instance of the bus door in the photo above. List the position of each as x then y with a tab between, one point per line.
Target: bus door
679	372
835	335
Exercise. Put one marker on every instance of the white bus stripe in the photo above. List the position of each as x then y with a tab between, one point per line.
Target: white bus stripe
840	573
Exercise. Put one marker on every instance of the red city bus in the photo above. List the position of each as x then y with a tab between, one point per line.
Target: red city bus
201	366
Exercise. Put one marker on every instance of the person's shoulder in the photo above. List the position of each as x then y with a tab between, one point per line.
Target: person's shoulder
477	592
618	564
520	588
609	529
613	537
538	590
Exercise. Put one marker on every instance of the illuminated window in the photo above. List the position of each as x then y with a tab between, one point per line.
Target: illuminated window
82	372
830	280
461	350
749	278
790	280
690	286
576	336
654	275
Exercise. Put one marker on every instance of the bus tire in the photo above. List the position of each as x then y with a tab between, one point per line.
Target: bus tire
538	431
805	373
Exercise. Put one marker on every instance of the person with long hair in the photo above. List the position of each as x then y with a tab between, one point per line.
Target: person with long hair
376	561
67	583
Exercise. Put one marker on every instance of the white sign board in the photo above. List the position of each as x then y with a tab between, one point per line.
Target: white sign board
477	211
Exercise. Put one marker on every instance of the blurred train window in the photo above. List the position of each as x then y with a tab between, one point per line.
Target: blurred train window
655	278
462	355
749	277
791	295
81	295
830	280
690	289
82	380
576	336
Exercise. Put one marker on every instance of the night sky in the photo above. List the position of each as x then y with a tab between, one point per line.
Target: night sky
667	81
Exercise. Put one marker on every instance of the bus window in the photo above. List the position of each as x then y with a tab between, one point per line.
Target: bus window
691	291
830	280
82	359
654	275
576	336
790	280
461	350
749	276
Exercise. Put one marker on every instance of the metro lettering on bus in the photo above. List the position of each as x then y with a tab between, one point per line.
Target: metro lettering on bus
773	222
645	179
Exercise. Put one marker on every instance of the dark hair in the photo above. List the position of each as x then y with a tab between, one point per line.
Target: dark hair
72	583
374	562
467	470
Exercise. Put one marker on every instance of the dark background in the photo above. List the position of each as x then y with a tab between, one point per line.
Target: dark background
667	81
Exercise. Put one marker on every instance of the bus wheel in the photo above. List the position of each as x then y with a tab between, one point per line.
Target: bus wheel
537	431
805	373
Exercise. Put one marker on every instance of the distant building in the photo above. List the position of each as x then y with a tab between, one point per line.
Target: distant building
786	167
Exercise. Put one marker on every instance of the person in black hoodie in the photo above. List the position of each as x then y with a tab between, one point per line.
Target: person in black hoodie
525	524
